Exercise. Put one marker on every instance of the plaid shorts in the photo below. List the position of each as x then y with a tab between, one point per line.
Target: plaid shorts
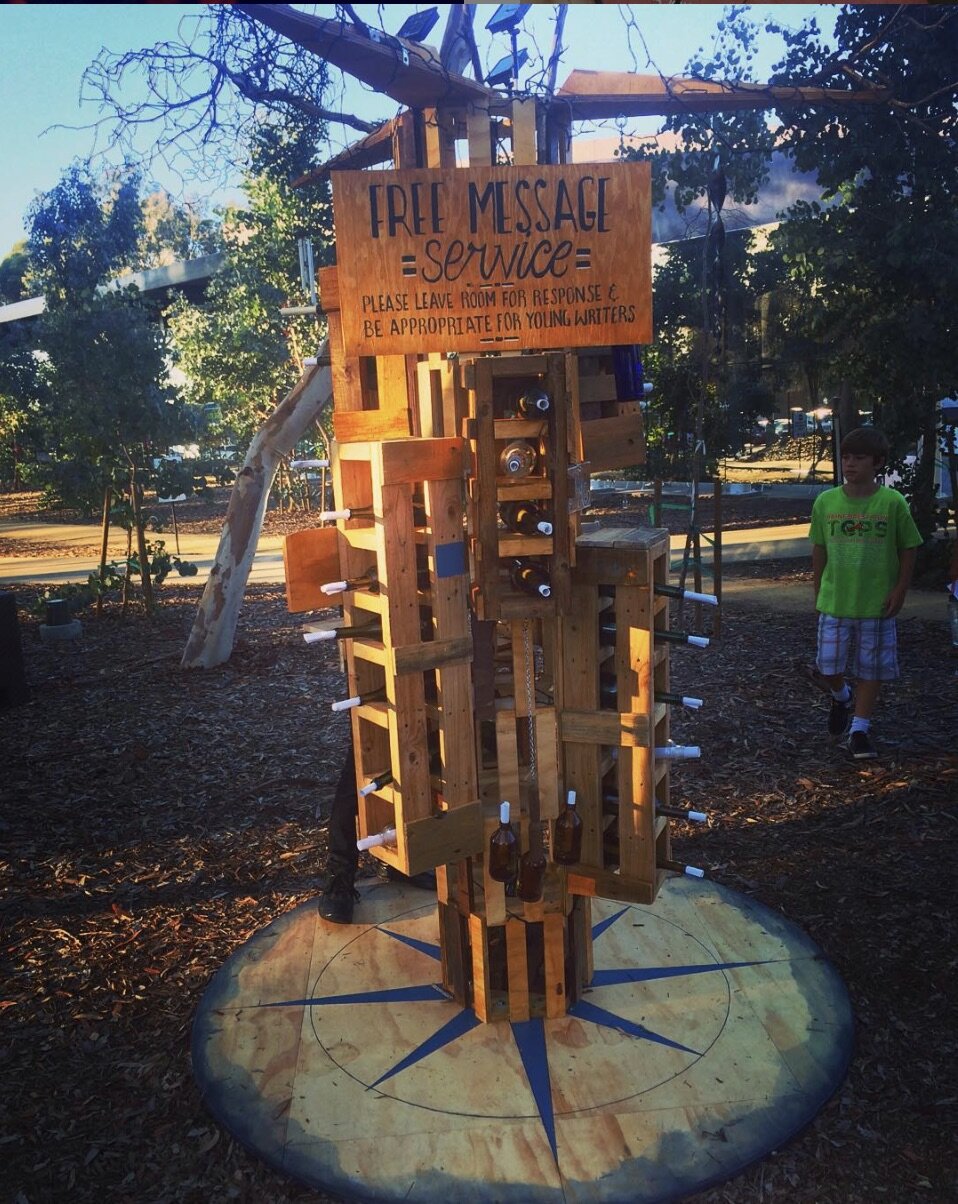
875	655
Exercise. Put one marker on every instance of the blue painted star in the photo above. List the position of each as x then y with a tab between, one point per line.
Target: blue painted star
529	1035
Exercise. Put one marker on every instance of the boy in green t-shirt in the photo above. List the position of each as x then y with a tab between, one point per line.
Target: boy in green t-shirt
863	557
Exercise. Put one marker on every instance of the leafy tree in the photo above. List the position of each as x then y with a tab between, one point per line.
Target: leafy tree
877	272
107	404
21	389
240	355
174	231
13	268
732	389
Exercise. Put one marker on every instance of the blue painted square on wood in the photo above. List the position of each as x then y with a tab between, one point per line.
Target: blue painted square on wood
450	559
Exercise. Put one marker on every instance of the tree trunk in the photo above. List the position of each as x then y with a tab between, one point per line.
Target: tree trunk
458	43
847	410
104	545
136	498
214	628
923	491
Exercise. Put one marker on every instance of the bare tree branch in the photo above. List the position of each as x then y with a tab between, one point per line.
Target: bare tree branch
194	103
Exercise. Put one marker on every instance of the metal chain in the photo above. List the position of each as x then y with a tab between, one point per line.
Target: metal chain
530	704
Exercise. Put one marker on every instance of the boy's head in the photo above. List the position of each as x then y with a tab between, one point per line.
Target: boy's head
866	441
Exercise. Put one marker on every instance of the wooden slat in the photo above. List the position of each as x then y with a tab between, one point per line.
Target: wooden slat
614	442
449	597
494	895
580	939
454	944
518	970
362	426
555	926
429	392
481	988
450	835
524	130
434	654
415	460
604	884
440	138
508	759
479	135
392	386
547	754
604	727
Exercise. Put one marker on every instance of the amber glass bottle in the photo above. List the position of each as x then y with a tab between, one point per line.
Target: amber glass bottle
567	845
503	861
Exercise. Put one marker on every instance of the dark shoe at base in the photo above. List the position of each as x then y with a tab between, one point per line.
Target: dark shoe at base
839	716
861	747
423	881
338	899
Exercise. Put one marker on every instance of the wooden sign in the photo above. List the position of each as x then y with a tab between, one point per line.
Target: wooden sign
494	258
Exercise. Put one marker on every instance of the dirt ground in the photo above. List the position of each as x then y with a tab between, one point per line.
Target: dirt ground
154	820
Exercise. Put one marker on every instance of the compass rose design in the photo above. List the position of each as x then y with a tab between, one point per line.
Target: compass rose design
711	1031
531	1037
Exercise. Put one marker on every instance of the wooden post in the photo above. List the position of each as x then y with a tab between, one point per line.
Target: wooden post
717	560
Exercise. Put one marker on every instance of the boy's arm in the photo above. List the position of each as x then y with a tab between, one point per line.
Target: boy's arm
906	566
819	560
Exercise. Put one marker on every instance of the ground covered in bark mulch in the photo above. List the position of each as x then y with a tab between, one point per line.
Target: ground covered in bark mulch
155	820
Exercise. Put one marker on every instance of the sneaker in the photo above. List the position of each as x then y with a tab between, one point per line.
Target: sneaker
338	899
861	747
840	716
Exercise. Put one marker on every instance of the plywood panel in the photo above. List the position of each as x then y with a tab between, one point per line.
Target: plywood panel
310	559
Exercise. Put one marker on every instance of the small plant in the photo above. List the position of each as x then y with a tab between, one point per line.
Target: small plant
116	576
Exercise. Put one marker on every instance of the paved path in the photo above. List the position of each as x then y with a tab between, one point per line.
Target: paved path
756	544
740	546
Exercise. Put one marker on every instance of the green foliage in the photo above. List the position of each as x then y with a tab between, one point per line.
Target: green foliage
105	400
740	143
116	575
239	354
13	268
174	231
872	282
21	393
736	388
80	236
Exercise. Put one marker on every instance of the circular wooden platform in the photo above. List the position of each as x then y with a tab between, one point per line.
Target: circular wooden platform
712	1032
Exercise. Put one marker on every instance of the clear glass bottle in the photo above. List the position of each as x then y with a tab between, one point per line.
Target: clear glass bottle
518	459
386	839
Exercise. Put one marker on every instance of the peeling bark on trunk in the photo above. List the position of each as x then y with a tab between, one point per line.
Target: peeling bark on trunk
214	628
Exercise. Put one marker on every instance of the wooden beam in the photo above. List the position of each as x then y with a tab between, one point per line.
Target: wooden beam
592	94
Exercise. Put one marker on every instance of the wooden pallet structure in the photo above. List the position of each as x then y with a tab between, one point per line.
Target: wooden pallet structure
487	692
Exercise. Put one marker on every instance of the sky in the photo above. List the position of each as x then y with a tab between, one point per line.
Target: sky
44	49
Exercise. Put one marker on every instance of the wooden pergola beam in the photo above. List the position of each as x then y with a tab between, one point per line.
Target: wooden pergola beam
587	95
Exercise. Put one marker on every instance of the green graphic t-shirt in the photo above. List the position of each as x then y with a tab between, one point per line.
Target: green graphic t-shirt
863	537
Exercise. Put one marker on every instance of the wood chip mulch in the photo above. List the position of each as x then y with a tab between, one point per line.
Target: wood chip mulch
154	820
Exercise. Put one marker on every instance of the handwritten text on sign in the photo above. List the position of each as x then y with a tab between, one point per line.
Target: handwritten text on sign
494	258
